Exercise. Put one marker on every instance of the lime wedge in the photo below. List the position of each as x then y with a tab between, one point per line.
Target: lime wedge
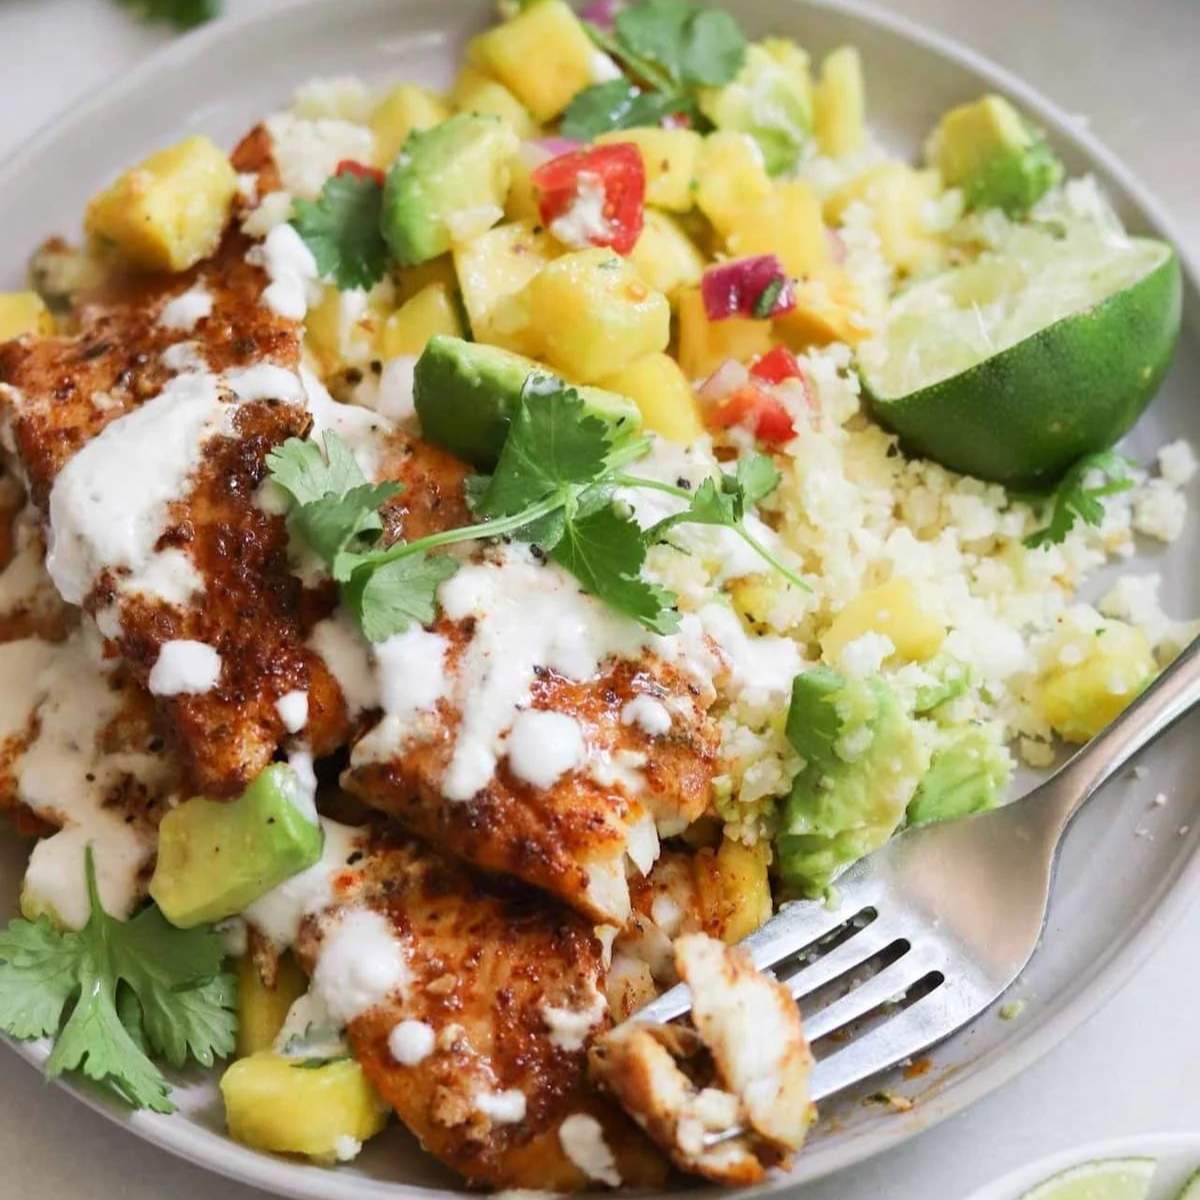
1101	1179
1191	1189
1046	347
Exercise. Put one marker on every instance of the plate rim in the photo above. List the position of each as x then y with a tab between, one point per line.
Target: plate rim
1033	1037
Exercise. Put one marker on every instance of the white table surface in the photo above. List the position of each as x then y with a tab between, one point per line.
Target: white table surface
1132	1069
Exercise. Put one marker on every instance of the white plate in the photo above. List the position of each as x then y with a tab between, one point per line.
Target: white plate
1116	894
1177	1156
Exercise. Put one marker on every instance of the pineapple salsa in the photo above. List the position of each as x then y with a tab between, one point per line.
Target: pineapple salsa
614	471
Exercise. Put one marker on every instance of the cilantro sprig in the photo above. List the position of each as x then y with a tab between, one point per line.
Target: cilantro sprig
116	992
342	229
1077	499
671	48
554	485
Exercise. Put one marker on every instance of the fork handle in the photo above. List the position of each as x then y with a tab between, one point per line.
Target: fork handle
1174	694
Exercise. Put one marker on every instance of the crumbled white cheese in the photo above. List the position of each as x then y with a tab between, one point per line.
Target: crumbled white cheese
582	1139
865	655
411	1042
346	1148
185	668
274	209
1159	511
602	68
569	1027
544	746
307	151
1177	462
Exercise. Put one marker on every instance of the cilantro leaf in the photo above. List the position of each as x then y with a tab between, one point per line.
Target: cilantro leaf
183	14
604	550
302	470
1075	500
757	476
619	104
136	987
693	45
553	443
341	228
335	509
387	599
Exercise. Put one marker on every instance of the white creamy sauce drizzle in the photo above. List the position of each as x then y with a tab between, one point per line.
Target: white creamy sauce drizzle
582	1139
291	270
569	1027
308	1031
186	310
411	670
360	965
24	584
279	914
265	381
184	356
502	1108
544	746
21	667
411	1042
109	504
303	796
648	714
185	668
347	655
65	776
392	394
364	432
292	708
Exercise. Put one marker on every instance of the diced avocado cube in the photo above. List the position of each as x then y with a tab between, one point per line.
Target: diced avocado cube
215	858
770	99
864	759
966	776
448	184
995	155
466	394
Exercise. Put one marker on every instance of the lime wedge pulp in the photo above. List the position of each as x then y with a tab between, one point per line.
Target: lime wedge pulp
1101	1179
1045	348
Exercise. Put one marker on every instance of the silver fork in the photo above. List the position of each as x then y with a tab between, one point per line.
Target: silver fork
953	911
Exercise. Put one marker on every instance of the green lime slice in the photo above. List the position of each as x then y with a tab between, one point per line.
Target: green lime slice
1101	1179
1191	1189
1046	347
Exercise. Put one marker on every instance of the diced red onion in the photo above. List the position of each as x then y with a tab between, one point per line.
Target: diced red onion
556	147
736	289
602	13
725	380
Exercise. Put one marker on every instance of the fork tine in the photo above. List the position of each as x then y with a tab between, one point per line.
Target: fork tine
853	952
892	981
932	1018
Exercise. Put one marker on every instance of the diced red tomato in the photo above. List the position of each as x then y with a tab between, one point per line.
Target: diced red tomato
777	365
763	414
348	166
618	170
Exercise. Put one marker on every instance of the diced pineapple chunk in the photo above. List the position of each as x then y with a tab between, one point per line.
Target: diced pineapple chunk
404	109
731	178
786	222
408	281
543	56
1092	671
840	104
733	888
704	345
894	610
897	195
493	271
168	212
665	257
342	329
23	312
410	327
827	310
522	202
661	390
476	92
290	1106
671	157
261	1010
591	314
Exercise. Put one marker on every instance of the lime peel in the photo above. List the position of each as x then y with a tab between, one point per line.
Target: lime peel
1100	1179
